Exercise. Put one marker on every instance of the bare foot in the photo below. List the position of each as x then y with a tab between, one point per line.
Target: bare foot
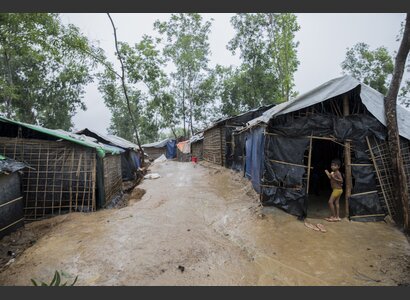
330	219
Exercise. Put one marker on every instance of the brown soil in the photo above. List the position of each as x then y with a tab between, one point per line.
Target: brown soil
199	225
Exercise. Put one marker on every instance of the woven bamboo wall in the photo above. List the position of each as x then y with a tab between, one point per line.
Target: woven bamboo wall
112	177
62	179
154	153
213	146
383	167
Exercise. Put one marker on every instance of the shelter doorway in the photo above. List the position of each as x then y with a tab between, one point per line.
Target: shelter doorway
322	153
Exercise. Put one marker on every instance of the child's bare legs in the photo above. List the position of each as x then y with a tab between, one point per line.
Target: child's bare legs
332	207
336	202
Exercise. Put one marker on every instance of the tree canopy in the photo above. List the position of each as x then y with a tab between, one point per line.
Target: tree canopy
44	68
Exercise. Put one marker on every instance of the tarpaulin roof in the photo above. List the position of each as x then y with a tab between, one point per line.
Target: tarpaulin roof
8	165
197	137
101	148
372	99
225	119
159	144
109	138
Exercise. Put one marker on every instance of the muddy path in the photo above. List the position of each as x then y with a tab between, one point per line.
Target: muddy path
203	225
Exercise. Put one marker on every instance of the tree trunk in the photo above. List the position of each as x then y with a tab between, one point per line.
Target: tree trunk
124	87
10	82
390	104
183	104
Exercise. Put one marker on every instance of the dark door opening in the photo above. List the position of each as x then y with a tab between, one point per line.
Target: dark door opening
323	151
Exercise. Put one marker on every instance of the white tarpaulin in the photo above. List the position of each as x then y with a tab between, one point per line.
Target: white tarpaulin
372	99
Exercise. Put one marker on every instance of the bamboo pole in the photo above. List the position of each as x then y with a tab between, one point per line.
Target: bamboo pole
348	160
367	216
376	168
309	165
288	163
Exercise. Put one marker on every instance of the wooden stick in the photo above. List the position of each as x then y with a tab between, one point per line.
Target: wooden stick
287	163
15	222
11	201
77	175
309	166
281	187
364	193
61	187
366	216
378	175
38	177
45	194
348	160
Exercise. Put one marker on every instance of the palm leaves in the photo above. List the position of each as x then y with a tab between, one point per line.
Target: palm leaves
56	281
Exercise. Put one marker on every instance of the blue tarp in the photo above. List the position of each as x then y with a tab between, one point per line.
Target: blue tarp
255	142
171	149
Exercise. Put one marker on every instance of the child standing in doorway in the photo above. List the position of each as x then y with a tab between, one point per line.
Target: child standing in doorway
336	182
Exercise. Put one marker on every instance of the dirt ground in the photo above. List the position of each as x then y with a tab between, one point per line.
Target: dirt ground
203	225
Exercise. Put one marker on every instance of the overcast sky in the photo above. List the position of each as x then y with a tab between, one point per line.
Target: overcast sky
323	40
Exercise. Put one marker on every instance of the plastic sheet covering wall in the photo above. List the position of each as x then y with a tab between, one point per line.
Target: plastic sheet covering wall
171	149
254	156
283	177
11	203
289	146
238	153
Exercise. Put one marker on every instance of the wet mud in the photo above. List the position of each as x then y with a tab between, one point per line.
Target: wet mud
199	224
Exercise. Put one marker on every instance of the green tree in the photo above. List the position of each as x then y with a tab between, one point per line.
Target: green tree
44	68
146	85
267	47
374	68
186	45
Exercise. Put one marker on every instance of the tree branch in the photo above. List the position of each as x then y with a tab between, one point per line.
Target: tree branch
124	87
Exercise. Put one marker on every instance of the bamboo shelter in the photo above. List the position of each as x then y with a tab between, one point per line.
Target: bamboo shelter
130	160
69	172
197	145
218	138
288	148
166	147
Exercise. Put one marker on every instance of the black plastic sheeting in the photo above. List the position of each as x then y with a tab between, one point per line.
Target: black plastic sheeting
130	162
10	211
238	154
283	184
354	127
364	205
